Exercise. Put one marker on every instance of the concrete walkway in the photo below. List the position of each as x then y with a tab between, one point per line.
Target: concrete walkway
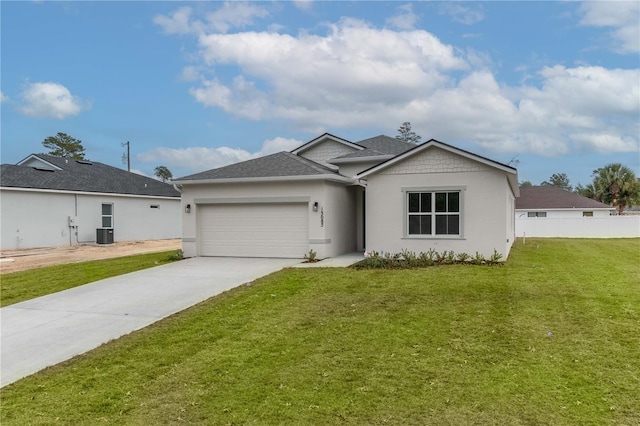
341	261
48	330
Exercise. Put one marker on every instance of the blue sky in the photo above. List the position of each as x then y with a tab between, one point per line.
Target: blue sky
198	85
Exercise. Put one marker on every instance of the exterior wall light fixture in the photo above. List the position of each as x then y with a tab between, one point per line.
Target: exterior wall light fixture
315	206
187	208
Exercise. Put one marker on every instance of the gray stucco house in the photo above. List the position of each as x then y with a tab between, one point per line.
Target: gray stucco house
49	201
335	196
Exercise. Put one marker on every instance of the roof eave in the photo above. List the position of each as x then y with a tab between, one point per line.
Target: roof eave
71	191
333	178
513	183
361	159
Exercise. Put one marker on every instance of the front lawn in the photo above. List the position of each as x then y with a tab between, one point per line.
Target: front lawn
549	338
24	285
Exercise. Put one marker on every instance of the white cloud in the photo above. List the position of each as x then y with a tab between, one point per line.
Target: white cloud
356	75
467	15
50	100
197	159
278	144
191	73
353	67
234	15
3	97
405	19
303	4
179	22
607	142
622	16
230	15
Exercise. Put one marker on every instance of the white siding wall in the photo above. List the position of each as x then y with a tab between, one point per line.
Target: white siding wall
133	218
360	219
340	218
352	169
567	213
41	219
511	220
32	219
329	227
485	218
579	227
327	150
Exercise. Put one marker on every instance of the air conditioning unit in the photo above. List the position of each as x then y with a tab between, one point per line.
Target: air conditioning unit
104	236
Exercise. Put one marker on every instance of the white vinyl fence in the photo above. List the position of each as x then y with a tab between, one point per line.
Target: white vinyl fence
579	227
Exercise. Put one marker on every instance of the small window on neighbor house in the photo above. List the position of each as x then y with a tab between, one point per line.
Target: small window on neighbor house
155	206
537	214
107	215
587	214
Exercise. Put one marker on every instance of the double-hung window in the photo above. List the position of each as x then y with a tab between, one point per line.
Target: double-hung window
107	215
433	213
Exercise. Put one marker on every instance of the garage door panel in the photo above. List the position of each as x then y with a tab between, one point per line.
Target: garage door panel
254	230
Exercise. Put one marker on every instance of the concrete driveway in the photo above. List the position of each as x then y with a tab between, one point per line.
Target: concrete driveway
45	331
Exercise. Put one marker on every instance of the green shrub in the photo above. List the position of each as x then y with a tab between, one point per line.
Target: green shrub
407	259
175	256
311	256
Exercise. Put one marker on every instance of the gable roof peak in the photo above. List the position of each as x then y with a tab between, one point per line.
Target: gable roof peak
321	139
512	172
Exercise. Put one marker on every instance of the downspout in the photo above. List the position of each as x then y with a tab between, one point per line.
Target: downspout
75	225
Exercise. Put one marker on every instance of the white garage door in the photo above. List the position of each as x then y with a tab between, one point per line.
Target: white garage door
254	230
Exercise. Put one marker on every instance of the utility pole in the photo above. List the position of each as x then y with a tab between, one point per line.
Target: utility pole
127	155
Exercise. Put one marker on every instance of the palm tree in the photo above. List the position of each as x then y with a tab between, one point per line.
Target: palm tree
589	191
616	184
629	194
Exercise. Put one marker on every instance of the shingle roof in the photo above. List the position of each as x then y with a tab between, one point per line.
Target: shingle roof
281	164
377	146
367	152
82	176
552	197
386	145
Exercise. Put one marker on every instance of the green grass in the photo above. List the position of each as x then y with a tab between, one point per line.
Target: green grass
449	345
20	286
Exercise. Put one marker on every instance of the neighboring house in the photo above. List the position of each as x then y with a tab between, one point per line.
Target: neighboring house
555	202
549	211
335	196
49	201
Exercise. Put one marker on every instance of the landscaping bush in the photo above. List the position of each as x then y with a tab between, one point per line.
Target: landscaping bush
407	259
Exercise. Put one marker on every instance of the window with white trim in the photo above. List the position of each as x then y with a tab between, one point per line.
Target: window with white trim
537	214
433	213
107	215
